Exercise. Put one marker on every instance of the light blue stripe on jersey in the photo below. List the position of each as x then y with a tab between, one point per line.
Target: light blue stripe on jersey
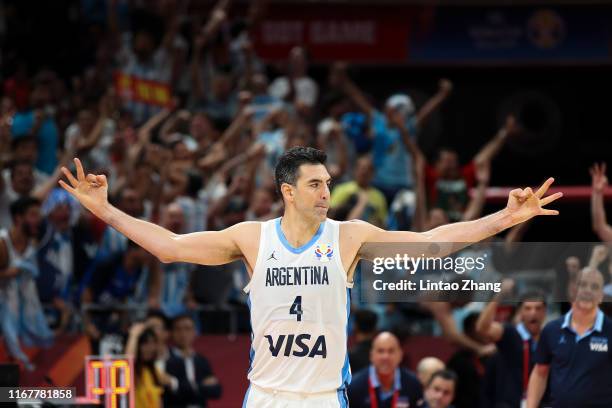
246	397
304	247
343	403
252	350
346	369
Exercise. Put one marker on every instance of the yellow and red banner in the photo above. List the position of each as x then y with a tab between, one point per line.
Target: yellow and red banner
133	88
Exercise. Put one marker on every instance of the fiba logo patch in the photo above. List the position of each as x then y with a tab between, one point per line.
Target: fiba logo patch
324	252
546	29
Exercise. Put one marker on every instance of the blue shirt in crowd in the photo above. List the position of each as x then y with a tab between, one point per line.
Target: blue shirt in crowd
47	137
392	162
580	365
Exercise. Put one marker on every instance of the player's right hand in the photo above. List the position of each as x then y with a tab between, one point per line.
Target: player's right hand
90	190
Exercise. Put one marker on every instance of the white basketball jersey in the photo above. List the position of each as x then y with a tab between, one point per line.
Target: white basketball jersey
299	300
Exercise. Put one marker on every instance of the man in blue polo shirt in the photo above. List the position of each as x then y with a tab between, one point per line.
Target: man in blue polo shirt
573	352
384	384
516	344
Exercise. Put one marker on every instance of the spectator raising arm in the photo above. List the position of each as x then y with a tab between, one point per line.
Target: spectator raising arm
340	78
486	326
492	148
598	212
477	202
445	88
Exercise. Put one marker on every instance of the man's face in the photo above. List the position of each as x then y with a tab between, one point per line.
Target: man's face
364	171
174	218
157	324
200	126
7	106
447	164
26	151
386	354
60	217
131	203
311	192
29	222
572	264
40	96
221	86
440	393
143	45
532	315
86	121
183	333
589	290
23	179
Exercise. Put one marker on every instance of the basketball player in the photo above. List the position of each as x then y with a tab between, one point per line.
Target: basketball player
301	267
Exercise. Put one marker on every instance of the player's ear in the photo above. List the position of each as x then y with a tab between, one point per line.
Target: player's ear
287	190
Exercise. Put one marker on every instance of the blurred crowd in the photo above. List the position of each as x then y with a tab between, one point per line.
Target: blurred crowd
187	122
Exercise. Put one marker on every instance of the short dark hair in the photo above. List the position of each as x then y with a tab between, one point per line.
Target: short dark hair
445	149
532	296
158	314
18	141
178	318
448	375
366	321
289	163
22	205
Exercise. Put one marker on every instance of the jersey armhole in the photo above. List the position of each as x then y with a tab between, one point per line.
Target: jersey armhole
260	251
338	260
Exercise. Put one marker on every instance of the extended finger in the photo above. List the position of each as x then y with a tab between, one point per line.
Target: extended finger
92	179
542	190
67	187
549	212
547	200
79	169
70	177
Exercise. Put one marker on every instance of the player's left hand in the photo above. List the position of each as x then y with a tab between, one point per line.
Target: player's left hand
524	204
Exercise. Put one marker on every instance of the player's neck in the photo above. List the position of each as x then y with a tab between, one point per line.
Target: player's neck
297	229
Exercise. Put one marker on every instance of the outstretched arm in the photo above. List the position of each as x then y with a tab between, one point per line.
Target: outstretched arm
445	88
490	150
340	78
206	248
486	326
523	204
598	212
442	312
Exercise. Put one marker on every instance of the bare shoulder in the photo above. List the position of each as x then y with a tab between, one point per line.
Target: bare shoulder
353	234
356	231
246	236
245	227
245	232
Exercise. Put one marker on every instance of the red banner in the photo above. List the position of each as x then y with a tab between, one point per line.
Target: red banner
136	89
367	34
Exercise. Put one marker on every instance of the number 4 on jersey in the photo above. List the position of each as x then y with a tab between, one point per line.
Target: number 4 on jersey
296	308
